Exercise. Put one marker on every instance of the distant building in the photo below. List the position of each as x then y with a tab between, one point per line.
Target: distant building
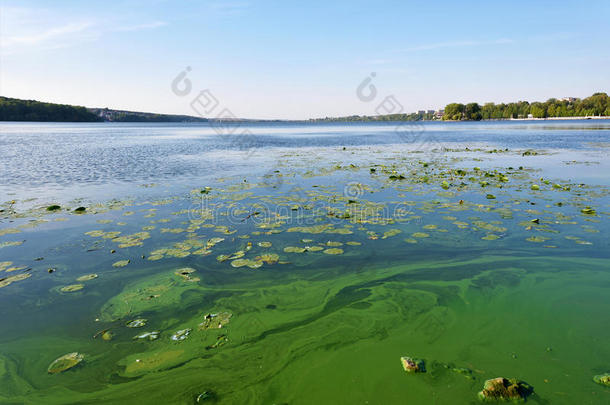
439	113
569	99
430	111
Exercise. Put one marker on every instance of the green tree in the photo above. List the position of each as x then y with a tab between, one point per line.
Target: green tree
454	112
472	111
538	110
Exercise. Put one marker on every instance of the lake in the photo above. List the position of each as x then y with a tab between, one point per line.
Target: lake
295	263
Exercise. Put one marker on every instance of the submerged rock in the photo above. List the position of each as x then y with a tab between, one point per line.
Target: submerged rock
504	389
65	362
603	379
412	365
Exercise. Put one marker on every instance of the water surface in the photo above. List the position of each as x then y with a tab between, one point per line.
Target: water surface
481	248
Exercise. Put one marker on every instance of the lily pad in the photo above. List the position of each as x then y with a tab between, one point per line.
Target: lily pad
65	362
71	288
154	335
537	239
240	262
390	233
4	265
333	251
294	249
136	323
17	277
181	335
215	321
121	263
603	379
269	258
186	274
87	277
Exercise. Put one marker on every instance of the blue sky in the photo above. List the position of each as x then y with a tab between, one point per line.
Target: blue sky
283	59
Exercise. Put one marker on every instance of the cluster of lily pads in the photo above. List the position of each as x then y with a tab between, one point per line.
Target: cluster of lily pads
397	190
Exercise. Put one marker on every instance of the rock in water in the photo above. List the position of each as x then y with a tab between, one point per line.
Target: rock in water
603	379
504	389
412	365
65	362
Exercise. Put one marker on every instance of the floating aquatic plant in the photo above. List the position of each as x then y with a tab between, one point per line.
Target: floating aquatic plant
65	362
72	288
87	277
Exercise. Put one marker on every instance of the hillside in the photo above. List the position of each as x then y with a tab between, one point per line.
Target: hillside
14	109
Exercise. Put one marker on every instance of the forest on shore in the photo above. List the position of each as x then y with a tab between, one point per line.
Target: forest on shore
14	109
596	105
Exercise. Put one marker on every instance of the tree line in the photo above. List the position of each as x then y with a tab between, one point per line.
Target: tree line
13	109
596	105
375	118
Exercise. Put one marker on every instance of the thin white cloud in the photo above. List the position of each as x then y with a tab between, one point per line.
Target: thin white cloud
455	44
228	7
47	35
30	29
378	61
140	27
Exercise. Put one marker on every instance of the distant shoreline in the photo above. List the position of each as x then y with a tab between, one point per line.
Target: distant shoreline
556	118
17	110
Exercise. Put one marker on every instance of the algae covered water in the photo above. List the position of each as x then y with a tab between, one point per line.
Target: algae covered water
164	263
